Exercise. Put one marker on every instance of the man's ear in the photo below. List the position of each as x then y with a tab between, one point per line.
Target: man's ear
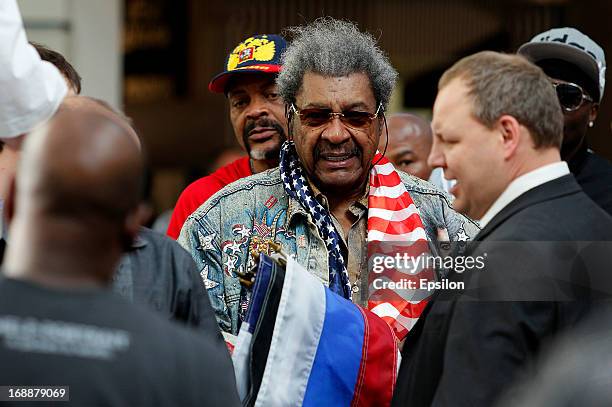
593	112
510	130
131	227
9	204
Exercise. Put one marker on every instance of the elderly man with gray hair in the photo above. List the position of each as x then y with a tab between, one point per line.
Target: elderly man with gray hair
332	191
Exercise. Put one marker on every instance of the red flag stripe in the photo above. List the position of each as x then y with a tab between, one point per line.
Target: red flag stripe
395	228
393	204
377	372
391	180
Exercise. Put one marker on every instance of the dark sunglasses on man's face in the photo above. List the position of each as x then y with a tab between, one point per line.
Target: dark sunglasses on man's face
316	117
570	95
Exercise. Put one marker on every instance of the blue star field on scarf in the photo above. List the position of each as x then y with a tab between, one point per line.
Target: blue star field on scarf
296	185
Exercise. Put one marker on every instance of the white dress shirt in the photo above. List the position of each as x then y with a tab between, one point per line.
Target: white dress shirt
30	89
523	184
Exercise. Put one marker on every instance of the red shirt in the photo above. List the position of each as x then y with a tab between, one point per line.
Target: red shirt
199	191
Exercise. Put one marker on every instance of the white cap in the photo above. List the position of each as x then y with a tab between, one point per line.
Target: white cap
570	45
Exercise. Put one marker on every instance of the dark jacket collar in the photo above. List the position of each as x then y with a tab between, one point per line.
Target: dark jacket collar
578	161
565	185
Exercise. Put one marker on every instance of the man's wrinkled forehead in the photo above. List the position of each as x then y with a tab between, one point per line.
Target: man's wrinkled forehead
353	91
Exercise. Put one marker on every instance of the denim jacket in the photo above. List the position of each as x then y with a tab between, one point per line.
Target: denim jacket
218	234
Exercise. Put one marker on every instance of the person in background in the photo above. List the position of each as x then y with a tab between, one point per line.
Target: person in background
10	147
223	158
32	90
409	144
71	76
257	114
576	66
408	147
73	210
154	270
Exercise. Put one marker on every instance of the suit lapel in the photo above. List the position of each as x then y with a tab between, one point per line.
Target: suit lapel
565	185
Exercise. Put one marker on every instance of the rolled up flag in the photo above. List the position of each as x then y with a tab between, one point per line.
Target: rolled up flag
302	344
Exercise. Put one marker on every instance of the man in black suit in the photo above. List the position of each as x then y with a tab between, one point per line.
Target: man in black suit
497	132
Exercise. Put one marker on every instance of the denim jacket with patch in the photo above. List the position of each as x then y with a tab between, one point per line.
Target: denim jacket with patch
218	234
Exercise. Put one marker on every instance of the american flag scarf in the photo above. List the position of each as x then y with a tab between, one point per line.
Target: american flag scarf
394	226
297	187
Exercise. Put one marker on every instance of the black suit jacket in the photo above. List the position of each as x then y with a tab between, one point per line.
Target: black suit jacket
469	347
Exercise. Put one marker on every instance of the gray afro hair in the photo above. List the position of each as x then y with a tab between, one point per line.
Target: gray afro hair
334	48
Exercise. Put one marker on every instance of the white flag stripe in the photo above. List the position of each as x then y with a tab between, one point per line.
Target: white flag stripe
294	345
392	247
385	310
416	234
388	192
406	322
412	296
392	216
240	359
384	169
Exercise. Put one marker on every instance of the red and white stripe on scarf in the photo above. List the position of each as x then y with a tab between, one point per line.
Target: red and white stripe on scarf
395	228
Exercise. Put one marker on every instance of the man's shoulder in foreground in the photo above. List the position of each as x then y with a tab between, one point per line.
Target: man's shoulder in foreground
595	178
96	342
202	189
558	210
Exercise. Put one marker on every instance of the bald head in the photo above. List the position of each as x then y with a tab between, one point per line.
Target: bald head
410	141
85	162
78	104
78	187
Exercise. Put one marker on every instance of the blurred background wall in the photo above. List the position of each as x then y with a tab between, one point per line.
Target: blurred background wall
89	33
154	58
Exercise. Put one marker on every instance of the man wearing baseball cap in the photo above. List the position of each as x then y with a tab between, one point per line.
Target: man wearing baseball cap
257	115
576	66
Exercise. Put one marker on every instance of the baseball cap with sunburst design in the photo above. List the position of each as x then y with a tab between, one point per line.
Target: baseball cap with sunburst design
259	53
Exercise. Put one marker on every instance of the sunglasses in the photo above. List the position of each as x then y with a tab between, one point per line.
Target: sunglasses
570	95
317	117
